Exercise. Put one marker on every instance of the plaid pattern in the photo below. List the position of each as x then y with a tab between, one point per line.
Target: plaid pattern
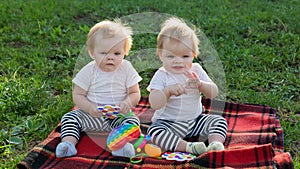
254	140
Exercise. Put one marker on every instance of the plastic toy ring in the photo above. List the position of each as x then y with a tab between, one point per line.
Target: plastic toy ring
137	158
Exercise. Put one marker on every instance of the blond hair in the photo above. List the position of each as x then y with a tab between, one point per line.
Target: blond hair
108	29
176	29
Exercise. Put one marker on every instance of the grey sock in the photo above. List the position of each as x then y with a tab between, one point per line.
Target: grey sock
65	149
126	151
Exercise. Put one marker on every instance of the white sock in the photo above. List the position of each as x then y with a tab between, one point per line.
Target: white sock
65	149
126	151
215	145
196	148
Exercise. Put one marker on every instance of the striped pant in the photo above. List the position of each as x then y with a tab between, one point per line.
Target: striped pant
78	121
167	134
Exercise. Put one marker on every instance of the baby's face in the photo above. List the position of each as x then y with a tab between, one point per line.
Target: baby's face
176	56
109	52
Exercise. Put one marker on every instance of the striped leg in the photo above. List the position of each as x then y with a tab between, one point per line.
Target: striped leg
71	124
208	125
127	120
167	134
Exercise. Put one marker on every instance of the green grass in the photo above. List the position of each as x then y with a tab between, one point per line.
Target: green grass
258	43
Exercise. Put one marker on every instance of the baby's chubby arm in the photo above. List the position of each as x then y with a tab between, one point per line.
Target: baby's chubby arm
158	98
209	89
80	99
132	99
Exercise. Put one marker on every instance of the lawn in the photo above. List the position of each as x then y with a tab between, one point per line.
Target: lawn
255	45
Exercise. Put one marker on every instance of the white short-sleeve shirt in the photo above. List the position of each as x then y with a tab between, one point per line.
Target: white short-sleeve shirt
106	87
178	108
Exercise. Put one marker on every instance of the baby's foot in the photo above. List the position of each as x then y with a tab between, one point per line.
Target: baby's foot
65	149
215	146
126	151
196	148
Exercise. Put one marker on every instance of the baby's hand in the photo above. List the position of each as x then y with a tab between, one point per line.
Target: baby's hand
95	112
193	80
125	107
176	89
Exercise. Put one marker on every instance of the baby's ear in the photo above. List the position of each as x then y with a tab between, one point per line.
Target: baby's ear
159	53
91	53
194	54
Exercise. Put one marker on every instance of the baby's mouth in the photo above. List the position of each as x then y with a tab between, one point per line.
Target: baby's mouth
178	67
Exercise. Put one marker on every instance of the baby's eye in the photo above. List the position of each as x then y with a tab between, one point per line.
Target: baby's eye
117	53
103	53
186	56
170	56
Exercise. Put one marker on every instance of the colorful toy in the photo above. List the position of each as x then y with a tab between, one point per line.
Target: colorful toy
119	136
152	150
141	142
109	111
178	156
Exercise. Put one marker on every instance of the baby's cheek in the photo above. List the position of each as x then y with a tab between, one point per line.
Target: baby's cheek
188	65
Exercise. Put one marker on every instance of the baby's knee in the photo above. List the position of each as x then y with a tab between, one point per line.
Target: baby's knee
131	120
223	122
219	120
68	116
155	131
73	117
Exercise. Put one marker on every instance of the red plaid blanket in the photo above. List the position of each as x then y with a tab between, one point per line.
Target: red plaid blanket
254	140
